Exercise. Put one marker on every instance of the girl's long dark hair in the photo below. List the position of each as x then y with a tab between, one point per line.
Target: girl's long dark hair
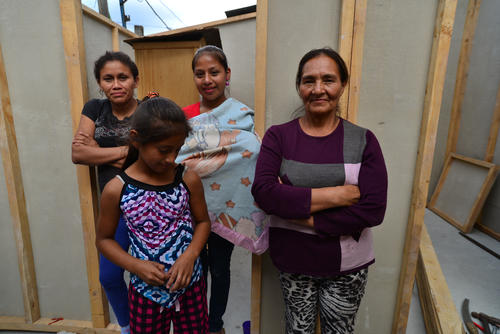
155	119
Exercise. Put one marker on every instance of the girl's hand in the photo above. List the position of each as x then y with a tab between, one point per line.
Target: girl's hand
152	273
180	273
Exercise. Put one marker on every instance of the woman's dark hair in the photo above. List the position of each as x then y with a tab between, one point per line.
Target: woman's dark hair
155	119
214	51
329	52
112	56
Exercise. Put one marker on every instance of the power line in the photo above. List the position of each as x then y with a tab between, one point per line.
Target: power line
171	11
157	15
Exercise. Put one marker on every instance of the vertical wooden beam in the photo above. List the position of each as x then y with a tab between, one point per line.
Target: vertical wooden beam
261	67
116	39
17	201
462	73
345	47
495	126
427	141
358	37
260	127
72	30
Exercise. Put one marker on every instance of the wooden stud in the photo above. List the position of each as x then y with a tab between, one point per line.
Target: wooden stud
345	47
103	19
430	117
116	39
438	309
261	67
462	73
17	201
358	37
72	28
490	153
53	325
260	127
495	126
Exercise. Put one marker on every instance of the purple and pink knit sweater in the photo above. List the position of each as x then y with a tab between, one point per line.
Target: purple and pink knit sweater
341	241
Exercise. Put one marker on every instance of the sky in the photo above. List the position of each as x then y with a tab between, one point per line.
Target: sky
175	13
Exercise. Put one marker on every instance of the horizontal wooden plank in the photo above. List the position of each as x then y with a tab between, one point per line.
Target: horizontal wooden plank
437	303
54	326
103	19
202	26
166	45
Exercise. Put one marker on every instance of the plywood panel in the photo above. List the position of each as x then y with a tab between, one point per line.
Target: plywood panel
168	72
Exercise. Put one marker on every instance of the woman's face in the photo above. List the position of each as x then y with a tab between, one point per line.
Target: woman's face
117	82
320	86
210	79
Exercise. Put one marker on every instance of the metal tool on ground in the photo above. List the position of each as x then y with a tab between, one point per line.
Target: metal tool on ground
469	324
487	320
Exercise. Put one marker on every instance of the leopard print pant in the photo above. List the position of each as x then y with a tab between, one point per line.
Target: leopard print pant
337	299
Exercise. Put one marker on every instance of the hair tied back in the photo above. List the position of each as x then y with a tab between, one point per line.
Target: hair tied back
153	94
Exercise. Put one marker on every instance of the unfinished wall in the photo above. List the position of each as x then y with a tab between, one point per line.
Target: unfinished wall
479	99
31	39
238	42
397	48
32	45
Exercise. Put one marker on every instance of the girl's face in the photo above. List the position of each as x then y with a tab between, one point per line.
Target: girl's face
210	78
159	156
320	86
117	82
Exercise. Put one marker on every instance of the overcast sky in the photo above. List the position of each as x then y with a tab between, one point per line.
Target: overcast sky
175	13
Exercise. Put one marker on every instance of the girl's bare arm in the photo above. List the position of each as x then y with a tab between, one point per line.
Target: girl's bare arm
109	214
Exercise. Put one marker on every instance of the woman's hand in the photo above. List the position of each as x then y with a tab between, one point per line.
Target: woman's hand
332	197
153	273
179	275
82	138
347	195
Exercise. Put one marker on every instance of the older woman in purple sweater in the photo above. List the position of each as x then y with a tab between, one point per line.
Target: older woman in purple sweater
324	181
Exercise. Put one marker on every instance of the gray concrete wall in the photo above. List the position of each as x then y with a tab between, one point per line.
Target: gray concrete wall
397	48
31	39
32	45
479	100
238	42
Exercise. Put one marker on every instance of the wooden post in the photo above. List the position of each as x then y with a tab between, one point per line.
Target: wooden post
495	126
345	47
72	30
430	117
116	39
17	201
260	127
103	8
358	37
462	73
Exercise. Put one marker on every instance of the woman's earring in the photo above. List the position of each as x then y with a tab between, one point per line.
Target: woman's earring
227	83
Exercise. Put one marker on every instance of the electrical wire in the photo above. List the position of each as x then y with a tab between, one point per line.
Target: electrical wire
157	15
171	11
